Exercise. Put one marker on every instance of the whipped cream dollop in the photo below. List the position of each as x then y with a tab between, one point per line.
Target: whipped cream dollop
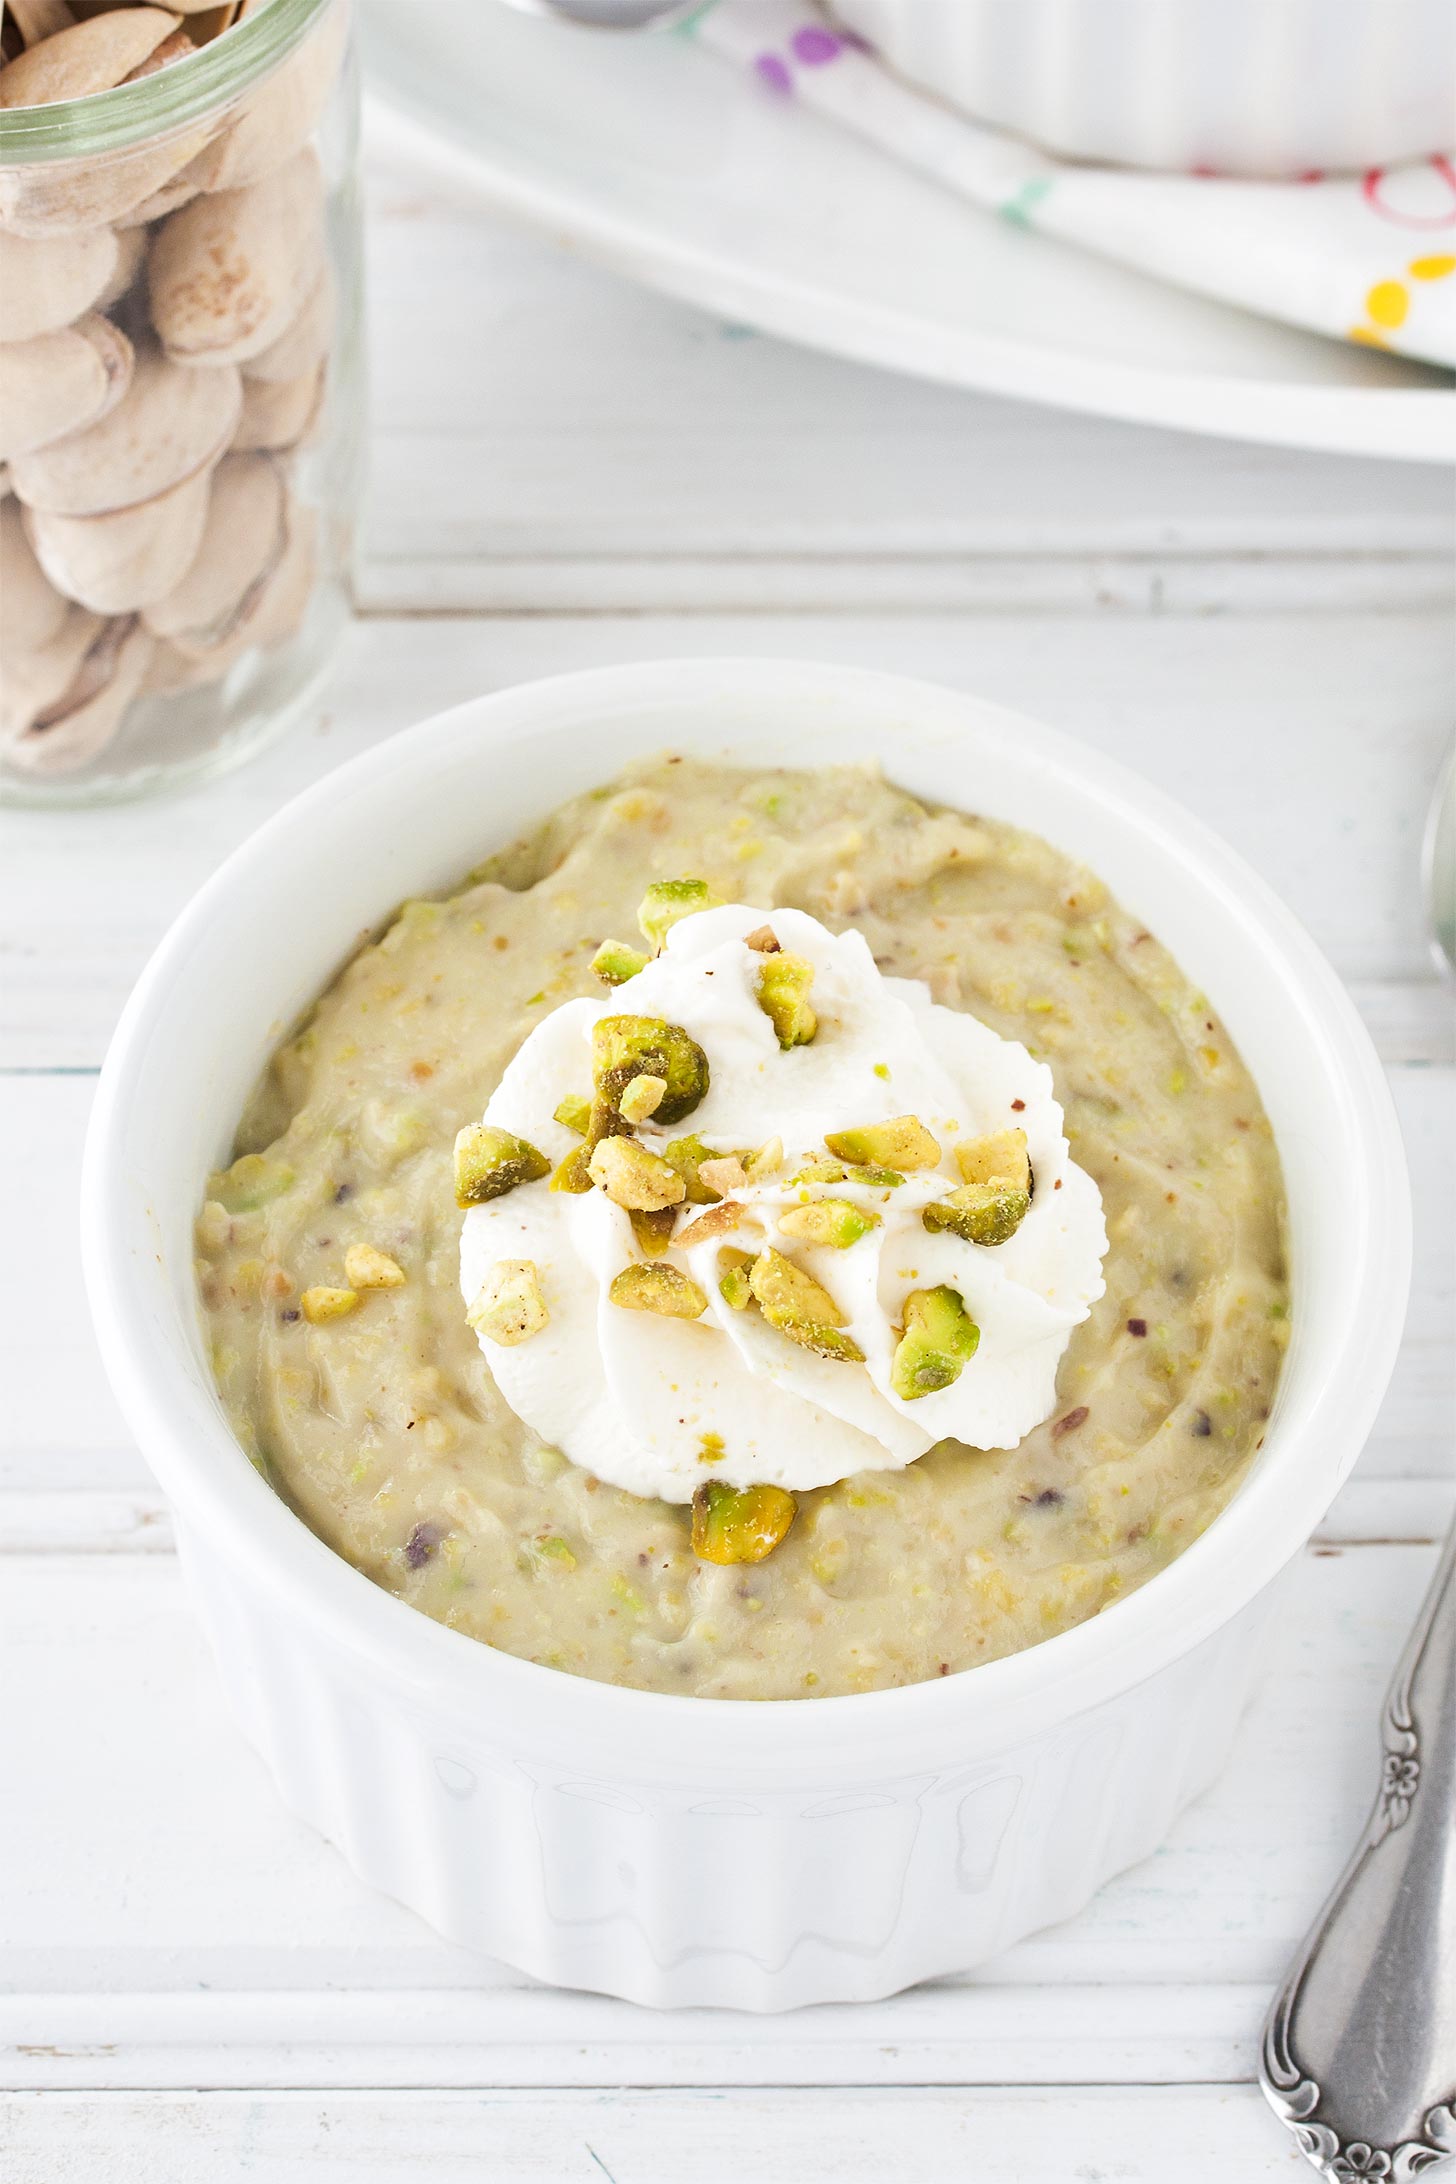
659	1405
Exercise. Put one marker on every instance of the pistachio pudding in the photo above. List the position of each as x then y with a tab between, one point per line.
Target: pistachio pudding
763	1238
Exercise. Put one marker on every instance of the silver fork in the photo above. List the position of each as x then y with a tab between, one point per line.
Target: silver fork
1359	2049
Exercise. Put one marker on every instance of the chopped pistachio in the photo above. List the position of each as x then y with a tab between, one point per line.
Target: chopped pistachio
616	961
653	1231
641	1099
799	1307
993	1201
733	1283
763	940
624	1047
725	1172
668	900
574	1173
687	1155
661	1289
1000	1157
833	1221
250	1183
509	1307
939	1339
739	1523
322	1304
783	995
545	1553
574	1113
490	1162
719	1220
633	1177
979	1213
903	1142
766	1162
367	1268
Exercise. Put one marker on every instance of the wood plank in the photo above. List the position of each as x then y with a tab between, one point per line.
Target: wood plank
204	1936
1201	2135
1342	725
545	434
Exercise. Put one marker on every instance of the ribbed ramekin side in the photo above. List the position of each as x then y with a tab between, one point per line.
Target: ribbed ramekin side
684	1896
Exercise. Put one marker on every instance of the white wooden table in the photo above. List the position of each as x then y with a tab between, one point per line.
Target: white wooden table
195	1988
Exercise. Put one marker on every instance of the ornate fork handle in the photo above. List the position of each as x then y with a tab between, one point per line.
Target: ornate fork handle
1359	2050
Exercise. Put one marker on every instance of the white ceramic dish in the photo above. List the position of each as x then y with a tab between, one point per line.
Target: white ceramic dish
1256	87
676	1850
665	163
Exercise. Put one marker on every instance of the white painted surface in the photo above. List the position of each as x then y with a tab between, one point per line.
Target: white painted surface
1263	633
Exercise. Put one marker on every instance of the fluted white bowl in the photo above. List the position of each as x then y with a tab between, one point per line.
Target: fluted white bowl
678	1850
1254	87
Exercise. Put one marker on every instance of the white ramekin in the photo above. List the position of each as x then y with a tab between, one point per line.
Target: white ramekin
1256	87
676	1850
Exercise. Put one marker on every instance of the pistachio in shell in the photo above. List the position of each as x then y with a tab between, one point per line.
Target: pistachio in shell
740	1523
60	382
277	413
302	345
169	424
32	611
128	558
69	732
50	283
52	198
37	19
85	58
131	251
230	272
276	120
240	547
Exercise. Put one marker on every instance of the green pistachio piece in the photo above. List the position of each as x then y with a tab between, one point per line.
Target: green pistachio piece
252	1182
624	1047
509	1307
733	1282
783	995
939	1338
633	1177
490	1162
799	1307
574	1113
668	900
615	962
663	1289
739	1523
653	1231
574	1174
833	1221
817	1169
687	1155
903	1142
979	1213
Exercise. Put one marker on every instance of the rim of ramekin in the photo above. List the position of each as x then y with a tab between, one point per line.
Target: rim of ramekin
218	1492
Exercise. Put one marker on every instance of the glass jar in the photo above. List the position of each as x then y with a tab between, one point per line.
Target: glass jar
181	387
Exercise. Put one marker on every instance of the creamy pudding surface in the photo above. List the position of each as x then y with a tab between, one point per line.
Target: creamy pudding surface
781	1226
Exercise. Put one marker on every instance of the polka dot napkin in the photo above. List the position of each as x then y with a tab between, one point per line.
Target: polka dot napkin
1371	257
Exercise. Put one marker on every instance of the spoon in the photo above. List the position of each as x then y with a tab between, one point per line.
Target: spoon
1359	2049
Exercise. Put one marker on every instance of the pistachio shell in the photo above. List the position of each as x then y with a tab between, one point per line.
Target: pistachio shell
53	198
131	250
37	19
6	489
85	58
280	117
306	341
107	663
277	413
241	546
128	559
178	190
31	612
34	679
47	284
59	383
174	47
169	424
229	273
269	611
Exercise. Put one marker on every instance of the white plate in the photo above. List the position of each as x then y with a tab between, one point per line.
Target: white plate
674	168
